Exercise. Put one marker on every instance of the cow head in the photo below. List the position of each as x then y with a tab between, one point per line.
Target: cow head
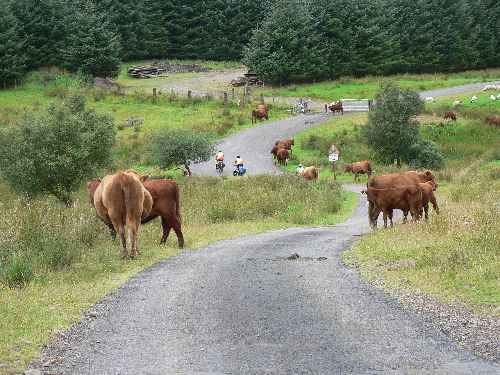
133	173
92	185
348	168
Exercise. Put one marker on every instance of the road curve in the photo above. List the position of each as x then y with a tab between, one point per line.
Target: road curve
241	306
254	144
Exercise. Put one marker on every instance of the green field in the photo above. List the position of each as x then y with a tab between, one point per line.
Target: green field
455	255
361	88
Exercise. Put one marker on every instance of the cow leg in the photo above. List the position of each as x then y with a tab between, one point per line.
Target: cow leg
112	230
435	205
385	218
166	230
426	211
176	226
132	233
373	213
123	240
390	212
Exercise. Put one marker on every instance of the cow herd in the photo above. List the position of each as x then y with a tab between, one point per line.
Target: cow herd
125	200
407	191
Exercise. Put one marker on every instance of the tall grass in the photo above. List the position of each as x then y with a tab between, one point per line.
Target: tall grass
455	255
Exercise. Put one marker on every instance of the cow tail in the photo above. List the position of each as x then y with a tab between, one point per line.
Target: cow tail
177	203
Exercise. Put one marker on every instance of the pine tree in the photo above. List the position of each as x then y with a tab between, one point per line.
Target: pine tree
40	25
90	47
286	48
12	56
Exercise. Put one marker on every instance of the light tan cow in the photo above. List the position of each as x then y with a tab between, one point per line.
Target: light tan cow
309	173
121	199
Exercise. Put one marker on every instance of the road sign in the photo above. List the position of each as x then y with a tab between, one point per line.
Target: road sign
333	156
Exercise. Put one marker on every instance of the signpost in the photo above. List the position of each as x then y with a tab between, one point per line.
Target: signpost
333	156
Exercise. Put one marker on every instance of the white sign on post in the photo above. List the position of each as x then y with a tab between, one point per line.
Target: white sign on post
333	157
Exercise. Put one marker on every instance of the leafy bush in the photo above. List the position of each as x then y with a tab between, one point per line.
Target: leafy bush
391	129
426	155
57	150
179	148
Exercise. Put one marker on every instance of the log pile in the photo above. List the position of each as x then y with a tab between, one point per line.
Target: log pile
159	68
249	79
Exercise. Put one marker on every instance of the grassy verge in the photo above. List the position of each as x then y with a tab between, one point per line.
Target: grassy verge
366	87
55	262
453	256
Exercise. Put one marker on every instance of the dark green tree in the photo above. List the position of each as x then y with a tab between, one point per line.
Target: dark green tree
90	47
392	129
286	48
41	27
56	151
12	55
179	148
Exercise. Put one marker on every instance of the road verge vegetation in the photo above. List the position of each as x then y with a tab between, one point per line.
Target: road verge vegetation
57	261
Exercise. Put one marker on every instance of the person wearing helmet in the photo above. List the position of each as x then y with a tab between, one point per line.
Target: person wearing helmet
300	169
239	164
219	156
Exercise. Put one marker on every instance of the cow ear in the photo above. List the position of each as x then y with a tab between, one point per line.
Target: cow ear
428	173
144	177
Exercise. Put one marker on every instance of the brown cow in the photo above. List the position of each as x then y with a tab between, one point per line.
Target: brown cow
358	168
493	120
428	189
451	115
337	106
391	181
286	143
405	198
282	156
309	173
260	112
121	199
165	195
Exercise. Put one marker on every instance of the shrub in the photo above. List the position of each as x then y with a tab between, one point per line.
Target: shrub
426	155
57	150
178	148
391	129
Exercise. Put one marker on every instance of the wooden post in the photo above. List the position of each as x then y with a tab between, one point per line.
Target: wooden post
232	92
334	171
225	96
189	94
261	98
154	92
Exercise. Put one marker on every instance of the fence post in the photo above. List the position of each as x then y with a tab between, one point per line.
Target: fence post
154	92
232	92
261	98
225	96
189	94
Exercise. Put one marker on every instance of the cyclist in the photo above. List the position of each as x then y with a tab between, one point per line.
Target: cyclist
219	158
239	164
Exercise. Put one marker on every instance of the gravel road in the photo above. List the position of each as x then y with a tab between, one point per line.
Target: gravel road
242	306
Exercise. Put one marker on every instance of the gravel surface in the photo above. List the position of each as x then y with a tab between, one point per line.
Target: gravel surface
250	306
274	303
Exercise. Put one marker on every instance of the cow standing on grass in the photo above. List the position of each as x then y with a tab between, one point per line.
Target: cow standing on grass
260	112
392	181
360	167
406	198
121	200
428	188
166	204
310	173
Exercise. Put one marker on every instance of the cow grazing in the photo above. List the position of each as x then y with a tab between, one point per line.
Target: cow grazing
358	168
165	195
336	106
493	120
260	112
406	198
428	189
493	97
391	181
473	99
120	199
309	173
450	115
282	156
456	103
166	204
